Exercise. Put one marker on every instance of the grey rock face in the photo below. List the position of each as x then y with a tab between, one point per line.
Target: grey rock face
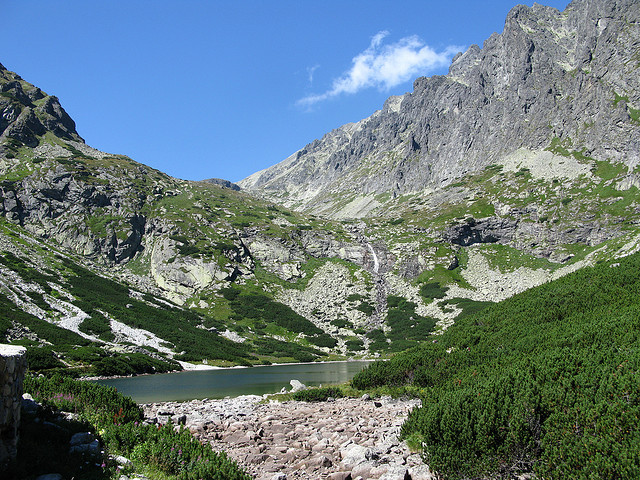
550	75
223	183
53	202
490	230
26	112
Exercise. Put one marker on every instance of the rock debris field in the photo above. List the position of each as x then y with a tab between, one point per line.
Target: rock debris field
342	439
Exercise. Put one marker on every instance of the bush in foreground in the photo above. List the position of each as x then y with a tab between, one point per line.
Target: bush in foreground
160	451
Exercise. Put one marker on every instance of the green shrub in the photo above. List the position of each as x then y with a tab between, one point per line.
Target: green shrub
354	345
165	452
278	348
543	382
433	290
42	358
378	340
171	452
318	394
132	364
407	328
97	403
341	323
323	340
97	324
263	308
366	308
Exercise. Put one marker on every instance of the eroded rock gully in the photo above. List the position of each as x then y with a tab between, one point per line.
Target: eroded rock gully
341	439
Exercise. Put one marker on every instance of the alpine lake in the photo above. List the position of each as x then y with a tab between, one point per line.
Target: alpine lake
231	382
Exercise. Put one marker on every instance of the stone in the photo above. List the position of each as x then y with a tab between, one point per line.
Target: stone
340	476
421	472
179	419
296	386
305	441
81	438
92	448
355	454
323	461
122	461
29	406
396	473
13	365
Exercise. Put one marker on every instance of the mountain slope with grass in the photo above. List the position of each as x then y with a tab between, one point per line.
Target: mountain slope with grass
108	265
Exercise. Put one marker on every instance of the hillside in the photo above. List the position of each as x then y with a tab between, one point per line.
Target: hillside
545	381
516	168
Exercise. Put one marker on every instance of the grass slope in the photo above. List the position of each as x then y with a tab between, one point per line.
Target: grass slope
546	381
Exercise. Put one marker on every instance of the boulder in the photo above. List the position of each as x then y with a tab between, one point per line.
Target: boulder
297	385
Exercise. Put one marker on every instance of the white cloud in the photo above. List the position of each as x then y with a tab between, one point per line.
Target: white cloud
385	66
311	71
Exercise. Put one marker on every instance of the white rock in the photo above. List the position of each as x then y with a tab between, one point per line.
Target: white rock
297	385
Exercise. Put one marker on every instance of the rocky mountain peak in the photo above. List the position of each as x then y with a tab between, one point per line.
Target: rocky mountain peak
549	76
26	112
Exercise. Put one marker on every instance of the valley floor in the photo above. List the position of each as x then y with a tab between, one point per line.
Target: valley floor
299	440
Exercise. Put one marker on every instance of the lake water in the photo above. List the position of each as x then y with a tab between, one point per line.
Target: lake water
231	382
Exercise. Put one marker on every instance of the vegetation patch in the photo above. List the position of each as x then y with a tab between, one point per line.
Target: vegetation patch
115	420
543	382
354	344
321	394
407	328
277	348
432	290
262	308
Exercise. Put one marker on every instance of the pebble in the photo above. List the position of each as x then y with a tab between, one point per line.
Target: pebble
344	439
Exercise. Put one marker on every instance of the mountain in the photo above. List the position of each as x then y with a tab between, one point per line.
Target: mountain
556	90
516	168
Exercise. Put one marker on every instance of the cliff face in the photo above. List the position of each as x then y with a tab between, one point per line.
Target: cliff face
26	112
551	77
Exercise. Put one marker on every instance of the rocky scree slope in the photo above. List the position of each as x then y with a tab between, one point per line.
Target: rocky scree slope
568	77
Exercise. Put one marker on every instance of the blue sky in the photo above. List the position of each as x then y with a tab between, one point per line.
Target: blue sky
202	89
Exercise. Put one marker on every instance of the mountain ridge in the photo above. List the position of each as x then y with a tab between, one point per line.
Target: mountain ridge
518	91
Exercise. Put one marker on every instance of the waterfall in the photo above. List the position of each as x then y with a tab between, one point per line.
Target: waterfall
376	264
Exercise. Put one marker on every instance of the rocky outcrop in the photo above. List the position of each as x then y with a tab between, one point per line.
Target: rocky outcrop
550	75
529	236
26	112
223	183
87	217
13	366
489	230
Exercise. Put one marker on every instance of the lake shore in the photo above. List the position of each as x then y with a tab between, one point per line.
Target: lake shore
196	367
337	440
